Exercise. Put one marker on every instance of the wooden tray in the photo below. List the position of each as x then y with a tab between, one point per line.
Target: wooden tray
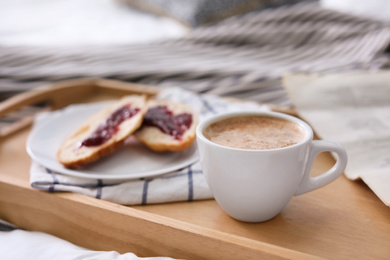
343	220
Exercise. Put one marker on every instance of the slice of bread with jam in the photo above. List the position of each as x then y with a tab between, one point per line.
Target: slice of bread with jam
104	132
168	126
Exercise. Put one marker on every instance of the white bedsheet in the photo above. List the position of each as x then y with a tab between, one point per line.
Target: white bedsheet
74	23
20	244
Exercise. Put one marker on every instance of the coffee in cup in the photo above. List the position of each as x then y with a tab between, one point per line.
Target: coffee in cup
255	132
255	162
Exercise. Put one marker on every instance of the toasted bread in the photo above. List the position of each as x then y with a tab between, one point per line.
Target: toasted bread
85	145
165	111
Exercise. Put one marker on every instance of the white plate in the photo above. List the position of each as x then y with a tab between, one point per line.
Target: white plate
132	161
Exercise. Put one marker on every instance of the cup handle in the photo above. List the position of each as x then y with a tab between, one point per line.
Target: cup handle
318	146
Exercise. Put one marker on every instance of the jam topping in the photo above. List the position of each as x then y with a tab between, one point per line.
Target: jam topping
107	129
167	122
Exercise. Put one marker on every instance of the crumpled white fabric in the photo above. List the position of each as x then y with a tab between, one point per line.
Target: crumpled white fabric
20	244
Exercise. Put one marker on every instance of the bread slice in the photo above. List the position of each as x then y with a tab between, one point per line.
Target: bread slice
82	147
165	111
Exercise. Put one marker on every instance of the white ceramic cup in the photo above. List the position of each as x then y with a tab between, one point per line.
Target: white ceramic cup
256	185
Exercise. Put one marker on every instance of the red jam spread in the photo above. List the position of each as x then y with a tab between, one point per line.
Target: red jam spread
167	122
107	129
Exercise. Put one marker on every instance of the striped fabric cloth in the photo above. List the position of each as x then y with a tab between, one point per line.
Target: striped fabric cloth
187	184
243	57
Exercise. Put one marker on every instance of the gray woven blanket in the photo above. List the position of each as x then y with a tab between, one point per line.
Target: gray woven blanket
244	56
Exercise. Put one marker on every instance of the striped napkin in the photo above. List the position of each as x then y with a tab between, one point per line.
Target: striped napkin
187	184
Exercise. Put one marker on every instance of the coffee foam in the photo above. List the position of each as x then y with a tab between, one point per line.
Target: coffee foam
255	132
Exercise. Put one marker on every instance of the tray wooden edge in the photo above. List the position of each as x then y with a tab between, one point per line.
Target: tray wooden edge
83	221
63	93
